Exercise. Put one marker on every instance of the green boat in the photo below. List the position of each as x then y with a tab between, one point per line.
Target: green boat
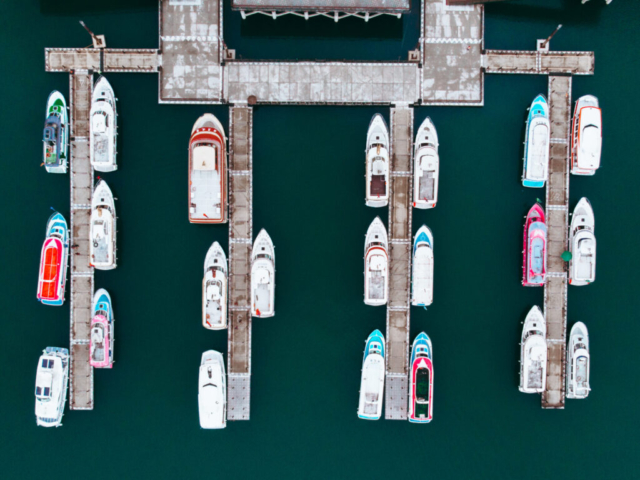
56	134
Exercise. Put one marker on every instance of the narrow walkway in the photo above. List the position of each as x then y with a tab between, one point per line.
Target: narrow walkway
537	63
81	175
240	243
101	60
396	398
555	290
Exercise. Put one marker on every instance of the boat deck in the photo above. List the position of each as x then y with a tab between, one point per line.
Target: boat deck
400	211
240	243
555	290
81	176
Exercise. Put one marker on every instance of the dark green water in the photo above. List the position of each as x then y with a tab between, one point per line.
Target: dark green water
309	194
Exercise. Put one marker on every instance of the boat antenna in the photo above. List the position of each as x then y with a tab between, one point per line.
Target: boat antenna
545	44
98	40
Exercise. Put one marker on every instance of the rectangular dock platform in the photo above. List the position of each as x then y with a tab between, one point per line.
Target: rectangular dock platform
400	211
240	245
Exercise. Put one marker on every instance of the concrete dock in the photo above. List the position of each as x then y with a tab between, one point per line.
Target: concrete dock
81	176
400	210
555	289
240	245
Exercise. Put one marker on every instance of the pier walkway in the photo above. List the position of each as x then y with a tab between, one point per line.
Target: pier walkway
240	245
400	209
101	60
555	289
81	175
539	63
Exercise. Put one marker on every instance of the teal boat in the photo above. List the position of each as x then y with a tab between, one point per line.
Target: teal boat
56	134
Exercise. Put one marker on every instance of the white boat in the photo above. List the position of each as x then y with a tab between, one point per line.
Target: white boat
103	127
376	264
212	391
214	289
582	245
372	380
263	276
377	162
578	362
427	166
536	146
586	144
533	353
52	378
102	246
422	268
56	134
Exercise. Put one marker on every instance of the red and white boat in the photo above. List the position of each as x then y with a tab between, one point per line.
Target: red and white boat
376	264
586	142
54	258
534	267
207	171
421	380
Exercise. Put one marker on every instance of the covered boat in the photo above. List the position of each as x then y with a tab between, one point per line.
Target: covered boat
103	127
263	276
101	340
582	244
214	289
377	163
427	166
207	171
536	145
421	380
586	142
376	264
578	362
372	380
52	378
212	391
422	268
54	259
102	246
533	353
535	248
56	134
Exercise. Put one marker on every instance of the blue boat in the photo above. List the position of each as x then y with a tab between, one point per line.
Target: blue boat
536	144
101	341
372	381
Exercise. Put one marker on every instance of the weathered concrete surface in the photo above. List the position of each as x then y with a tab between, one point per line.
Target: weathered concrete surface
537	63
104	60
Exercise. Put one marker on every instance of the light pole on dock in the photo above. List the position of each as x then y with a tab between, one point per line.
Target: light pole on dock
543	45
98	40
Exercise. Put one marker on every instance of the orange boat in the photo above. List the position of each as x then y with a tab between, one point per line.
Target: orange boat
53	262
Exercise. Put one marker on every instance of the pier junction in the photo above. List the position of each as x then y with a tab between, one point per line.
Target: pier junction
195	66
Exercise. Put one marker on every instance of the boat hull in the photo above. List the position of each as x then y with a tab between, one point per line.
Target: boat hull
422	268
578	362
535	248
536	147
426	171
421	380
54	261
215	289
586	140
376	265
52	379
103	128
103	228
372	378
56	137
582	245
212	391
101	342
263	269
377	163
533	353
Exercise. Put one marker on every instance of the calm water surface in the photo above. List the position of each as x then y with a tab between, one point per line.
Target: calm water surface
309	194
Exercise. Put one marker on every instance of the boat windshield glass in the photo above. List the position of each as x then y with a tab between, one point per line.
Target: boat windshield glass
422	386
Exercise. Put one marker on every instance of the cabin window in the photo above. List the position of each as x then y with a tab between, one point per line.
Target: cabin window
38	391
47	391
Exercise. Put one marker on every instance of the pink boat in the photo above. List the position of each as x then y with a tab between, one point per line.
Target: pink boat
534	266
101	340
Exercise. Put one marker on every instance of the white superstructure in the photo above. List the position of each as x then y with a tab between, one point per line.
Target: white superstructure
422	268
52	378
376	264
582	244
533	353
103	127
586	147
102	246
377	163
214	289
427	166
212	391
578	362
372	379
263	276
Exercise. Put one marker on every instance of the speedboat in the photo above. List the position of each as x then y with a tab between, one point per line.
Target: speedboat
421	380
372	380
535	248
582	245
102	245
207	171
214	289
536	145
578	362
52	378
263	276
101	340
56	134
427	166
422	269
54	259
377	162
103	127
586	142
533	353
376	264
212	391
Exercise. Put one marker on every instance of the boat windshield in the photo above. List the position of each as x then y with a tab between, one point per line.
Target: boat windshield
43	393
422	386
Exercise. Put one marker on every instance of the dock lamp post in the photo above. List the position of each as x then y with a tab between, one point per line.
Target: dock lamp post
543	45
98	40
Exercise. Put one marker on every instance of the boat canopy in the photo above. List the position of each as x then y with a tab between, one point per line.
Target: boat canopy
204	157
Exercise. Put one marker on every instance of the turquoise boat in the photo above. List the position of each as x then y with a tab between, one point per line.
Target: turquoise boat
536	144
372	381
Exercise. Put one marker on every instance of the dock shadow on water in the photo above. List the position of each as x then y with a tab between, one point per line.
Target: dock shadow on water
74	7
548	10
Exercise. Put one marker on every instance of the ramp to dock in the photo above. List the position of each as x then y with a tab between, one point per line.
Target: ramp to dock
81	175
101	60
396	396
240	244
555	290
539	63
